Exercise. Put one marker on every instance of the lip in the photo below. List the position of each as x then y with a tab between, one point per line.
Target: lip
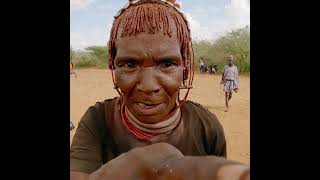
148	108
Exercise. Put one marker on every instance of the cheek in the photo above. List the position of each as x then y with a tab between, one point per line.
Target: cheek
125	81
172	82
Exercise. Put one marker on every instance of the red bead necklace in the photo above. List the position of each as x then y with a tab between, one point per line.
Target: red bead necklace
133	130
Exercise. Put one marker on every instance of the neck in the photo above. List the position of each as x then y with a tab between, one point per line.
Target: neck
143	135
157	128
164	126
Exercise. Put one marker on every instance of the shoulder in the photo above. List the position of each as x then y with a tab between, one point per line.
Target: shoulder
94	117
206	127
100	107
225	67
203	115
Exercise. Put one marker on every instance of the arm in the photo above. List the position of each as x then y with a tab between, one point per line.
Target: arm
236	78
86	150
222	77
219	145
218	142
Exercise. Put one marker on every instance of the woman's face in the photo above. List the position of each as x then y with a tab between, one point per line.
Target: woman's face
149	72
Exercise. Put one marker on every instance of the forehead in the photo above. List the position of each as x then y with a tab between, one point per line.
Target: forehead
146	44
143	42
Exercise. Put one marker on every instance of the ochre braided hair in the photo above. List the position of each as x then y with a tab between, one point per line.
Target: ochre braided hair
151	16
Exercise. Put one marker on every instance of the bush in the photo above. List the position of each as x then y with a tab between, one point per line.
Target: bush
235	42
86	60
93	56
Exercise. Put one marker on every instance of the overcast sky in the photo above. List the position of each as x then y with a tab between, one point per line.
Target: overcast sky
90	20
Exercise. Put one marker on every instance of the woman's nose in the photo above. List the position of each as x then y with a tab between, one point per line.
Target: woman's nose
148	82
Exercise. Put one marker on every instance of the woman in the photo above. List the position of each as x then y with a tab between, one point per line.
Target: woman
151	59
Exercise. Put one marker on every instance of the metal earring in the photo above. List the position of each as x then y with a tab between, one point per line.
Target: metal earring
185	87
115	85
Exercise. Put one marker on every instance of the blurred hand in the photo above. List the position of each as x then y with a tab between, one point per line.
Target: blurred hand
162	161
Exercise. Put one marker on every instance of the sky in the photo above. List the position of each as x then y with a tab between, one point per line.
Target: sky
91	20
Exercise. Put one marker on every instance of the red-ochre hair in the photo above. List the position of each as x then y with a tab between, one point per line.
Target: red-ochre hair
152	16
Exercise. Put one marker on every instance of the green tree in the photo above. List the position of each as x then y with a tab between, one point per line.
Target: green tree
101	53
72	53
235	42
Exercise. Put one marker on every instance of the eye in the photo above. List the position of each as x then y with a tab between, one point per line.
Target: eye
167	64
130	64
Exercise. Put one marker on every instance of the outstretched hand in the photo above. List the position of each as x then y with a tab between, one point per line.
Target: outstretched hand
163	161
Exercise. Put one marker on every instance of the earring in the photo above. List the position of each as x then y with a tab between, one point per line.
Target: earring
185	87
185	73
115	85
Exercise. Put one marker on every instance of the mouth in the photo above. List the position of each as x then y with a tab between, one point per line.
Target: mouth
148	108
147	105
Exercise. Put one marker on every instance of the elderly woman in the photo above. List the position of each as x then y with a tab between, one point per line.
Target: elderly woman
151	60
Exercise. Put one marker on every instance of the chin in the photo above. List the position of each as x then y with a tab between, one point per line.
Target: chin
151	119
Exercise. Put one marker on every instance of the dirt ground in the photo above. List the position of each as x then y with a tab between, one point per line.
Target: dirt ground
93	85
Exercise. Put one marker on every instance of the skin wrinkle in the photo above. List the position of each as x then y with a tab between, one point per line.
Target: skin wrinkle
149	74
154	15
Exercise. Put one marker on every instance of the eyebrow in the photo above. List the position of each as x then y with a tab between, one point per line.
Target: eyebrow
169	57
136	58
126	58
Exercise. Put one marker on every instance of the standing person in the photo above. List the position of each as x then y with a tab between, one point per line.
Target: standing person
230	80
151	60
202	65
212	69
72	71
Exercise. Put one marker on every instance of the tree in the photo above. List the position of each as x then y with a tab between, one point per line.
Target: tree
72	53
101	52
235	42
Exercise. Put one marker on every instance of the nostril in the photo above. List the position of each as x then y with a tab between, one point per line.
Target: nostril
157	90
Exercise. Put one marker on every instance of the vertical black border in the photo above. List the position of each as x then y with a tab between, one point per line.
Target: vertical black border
36	87
282	96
